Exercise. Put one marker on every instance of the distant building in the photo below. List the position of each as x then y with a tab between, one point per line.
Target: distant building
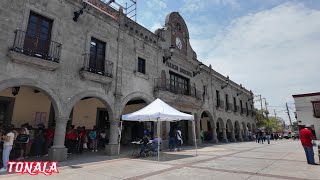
308	111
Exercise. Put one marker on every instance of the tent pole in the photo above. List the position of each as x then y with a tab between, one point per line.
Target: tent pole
195	137
119	138
158	132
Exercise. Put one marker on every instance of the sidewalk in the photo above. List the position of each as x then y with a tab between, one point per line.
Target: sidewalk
284	159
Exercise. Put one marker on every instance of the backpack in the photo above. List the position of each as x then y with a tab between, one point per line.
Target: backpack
92	135
22	138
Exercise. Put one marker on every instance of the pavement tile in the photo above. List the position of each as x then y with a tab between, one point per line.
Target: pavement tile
191	173
237	164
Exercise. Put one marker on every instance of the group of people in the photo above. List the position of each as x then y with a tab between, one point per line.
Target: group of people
20	143
175	139
261	136
82	138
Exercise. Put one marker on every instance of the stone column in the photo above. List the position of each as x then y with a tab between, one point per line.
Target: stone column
112	147
214	133
233	136
224	135
58	152
240	136
245	131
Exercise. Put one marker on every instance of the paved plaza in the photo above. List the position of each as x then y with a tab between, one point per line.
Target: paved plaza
282	159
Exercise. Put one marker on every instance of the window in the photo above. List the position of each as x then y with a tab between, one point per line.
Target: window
235	104
218	98
179	84
247	109
38	35
141	65
227	102
241	109
316	108
97	56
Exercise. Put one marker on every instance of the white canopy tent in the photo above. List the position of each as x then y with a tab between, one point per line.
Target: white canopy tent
158	111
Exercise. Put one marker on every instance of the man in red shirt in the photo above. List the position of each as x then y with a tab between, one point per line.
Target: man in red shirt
306	137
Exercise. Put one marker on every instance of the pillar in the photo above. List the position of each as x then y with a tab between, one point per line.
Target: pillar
233	136
112	147
58	152
224	135
214	133
245	131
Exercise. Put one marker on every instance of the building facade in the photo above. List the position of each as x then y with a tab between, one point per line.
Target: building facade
308	111
58	71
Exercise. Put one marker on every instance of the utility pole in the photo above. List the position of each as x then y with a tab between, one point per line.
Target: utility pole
289	114
265	103
275	114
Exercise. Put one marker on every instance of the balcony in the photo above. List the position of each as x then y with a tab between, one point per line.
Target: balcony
229	107
220	105
35	51
98	74
236	109
164	85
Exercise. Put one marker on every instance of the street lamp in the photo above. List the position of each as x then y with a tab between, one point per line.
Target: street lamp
199	68
166	57
78	13
15	90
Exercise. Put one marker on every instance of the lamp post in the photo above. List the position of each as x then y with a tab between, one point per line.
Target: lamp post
199	68
166	57
15	90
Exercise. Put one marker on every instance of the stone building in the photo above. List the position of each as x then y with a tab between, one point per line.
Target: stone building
57	71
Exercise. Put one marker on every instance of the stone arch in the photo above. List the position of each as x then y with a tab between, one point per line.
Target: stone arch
95	94
133	95
212	123
38	85
237	130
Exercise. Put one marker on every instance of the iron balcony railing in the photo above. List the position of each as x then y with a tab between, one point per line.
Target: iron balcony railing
177	88
235	109
220	104
36	46
90	65
229	107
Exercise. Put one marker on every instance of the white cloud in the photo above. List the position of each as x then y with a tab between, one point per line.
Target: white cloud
155	27
275	52
199	5
160	4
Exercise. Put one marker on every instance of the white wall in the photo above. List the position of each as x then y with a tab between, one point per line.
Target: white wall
305	113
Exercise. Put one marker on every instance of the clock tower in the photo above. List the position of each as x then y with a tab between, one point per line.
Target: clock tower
179	32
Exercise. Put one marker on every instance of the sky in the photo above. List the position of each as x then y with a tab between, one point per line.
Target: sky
269	46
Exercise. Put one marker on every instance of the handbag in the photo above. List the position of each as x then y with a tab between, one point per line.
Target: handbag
314	144
22	138
85	146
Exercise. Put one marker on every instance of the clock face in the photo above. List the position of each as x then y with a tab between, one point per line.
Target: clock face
178	43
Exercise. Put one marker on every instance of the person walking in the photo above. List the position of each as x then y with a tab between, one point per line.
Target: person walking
268	136
7	147
172	139
179	138
306	138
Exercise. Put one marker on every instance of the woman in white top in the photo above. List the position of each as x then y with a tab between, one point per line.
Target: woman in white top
179	138
7	147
